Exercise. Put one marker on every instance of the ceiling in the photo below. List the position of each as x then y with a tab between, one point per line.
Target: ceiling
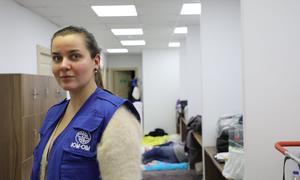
158	18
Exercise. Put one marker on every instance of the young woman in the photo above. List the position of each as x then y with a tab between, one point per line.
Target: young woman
94	135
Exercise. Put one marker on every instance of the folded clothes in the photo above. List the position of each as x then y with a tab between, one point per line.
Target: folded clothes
153	141
160	166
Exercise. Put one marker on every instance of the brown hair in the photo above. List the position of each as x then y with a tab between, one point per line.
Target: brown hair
90	42
98	78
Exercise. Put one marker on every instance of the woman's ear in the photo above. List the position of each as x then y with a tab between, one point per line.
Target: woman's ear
97	61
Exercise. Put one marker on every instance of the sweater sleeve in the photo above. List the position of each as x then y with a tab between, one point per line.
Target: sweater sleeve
119	152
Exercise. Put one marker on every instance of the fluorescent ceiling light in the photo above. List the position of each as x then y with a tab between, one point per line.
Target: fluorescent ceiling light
110	11
131	31
174	44
133	42
117	50
180	30
191	8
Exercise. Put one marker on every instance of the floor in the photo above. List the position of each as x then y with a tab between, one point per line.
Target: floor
171	175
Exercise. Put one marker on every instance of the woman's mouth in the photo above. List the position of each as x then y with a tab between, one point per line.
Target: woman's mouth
66	77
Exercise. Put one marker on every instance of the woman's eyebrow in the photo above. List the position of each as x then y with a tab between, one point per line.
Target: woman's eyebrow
54	53
73	50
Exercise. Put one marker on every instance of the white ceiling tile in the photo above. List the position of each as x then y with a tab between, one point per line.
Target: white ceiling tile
51	3
124	25
159	20
61	11
189	20
158	9
78	20
158	2
57	21
109	2
97	27
119	20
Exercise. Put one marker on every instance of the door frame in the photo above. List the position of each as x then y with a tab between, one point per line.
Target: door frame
42	51
111	77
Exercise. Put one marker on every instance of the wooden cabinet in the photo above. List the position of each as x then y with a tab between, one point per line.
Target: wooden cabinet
196	154
182	129
24	101
213	168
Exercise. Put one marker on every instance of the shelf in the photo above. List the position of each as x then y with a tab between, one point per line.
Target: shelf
182	129
198	137
213	169
211	152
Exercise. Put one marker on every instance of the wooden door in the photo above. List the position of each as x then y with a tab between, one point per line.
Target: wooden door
43	86
44	60
26	169
56	93
10	129
121	83
31	95
29	136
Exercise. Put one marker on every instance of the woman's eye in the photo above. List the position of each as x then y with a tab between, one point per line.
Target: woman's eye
75	56
56	58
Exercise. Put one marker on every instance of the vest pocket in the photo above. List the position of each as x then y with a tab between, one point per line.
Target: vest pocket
79	165
74	155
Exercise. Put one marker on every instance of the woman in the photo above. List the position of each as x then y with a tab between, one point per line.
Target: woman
94	135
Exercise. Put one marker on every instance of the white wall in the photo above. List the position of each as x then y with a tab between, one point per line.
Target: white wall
271	57
220	43
21	30
183	71
124	60
161	89
190	71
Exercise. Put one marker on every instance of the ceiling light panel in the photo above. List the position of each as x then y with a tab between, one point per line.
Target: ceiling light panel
117	50
131	31
191	9
116	10
180	30
133	42
174	44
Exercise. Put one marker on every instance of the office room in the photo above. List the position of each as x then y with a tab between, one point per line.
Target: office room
237	57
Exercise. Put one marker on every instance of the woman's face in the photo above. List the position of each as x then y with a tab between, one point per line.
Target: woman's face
72	64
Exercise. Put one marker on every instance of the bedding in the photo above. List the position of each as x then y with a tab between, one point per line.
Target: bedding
158	170
160	166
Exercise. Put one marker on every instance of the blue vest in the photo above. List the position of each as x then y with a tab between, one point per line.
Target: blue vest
73	153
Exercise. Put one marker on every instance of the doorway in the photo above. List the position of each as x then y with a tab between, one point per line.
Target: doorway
44	61
121	81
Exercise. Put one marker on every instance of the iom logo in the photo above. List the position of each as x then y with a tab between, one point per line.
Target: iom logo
82	138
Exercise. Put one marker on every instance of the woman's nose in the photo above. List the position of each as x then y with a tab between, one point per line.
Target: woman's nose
65	63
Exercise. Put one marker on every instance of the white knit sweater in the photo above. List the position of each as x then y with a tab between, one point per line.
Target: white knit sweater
119	151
